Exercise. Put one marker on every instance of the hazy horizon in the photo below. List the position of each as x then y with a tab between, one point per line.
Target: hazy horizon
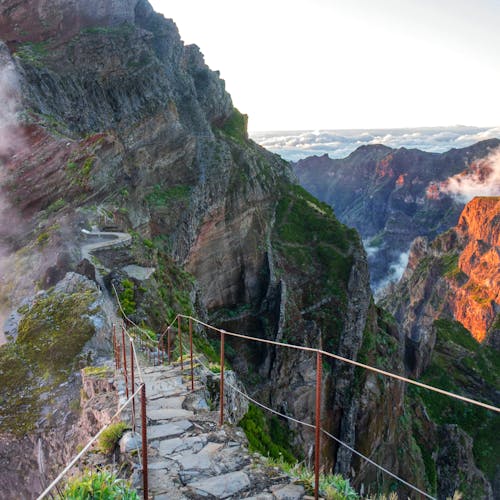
294	145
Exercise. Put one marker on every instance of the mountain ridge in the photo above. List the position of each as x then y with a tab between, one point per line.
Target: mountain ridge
391	196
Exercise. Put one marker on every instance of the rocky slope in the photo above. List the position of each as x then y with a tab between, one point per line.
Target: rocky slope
392	196
448	309
114	122
456	276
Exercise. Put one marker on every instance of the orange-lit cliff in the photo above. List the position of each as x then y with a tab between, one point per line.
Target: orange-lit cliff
476	303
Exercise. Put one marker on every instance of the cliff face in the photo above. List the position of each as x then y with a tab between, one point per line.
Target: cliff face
447	307
393	196
456	276
116	123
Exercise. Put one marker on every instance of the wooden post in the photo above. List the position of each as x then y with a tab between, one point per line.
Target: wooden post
169	346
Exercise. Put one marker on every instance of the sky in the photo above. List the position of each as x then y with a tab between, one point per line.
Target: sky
343	64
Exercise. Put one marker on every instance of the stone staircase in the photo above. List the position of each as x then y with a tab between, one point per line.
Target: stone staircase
191	457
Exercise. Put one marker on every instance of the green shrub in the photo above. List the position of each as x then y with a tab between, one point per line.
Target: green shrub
236	126
100	485
109	438
267	436
127	297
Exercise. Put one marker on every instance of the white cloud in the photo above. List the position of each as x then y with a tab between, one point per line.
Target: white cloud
340	143
482	178
396	270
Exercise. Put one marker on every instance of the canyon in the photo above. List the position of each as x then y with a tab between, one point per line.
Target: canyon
392	196
116	124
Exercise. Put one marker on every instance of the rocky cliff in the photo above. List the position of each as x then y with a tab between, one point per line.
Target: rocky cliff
456	276
114	122
447	307
392	196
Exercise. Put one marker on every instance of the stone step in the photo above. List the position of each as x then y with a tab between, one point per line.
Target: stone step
222	486
169	413
170	430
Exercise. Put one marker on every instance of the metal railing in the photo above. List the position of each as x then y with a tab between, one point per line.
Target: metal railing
318	430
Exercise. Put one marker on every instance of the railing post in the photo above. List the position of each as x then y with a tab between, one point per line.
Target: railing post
317	440
191	351
180	340
160	350
117	352
169	346
132	359
221	390
144	442
114	346
125	361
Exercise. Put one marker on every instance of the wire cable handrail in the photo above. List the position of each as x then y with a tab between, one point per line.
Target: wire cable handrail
87	446
312	426
318	352
350	361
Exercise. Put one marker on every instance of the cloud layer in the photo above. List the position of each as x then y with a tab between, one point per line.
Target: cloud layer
340	143
482	178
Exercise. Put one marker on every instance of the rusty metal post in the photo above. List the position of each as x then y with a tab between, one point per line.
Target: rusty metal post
180	340
132	374
162	348
317	440
191	351
222	337
169	346
144	442
114	346
125	361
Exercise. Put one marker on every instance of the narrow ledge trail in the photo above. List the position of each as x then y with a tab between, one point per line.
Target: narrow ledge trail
190	456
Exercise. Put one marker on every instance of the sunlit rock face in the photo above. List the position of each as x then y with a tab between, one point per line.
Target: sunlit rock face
477	302
455	276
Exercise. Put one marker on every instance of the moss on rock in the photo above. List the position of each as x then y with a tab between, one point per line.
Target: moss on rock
52	333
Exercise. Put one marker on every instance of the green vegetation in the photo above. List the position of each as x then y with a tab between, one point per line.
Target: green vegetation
268	436
56	328
42	239
52	333
314	248
56	206
457	364
109	438
161	196
98	371
79	170
102	485
122	29
127	297
236	127
449	263
33	53
331	487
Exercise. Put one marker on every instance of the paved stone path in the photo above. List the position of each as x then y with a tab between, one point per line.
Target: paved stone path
191	457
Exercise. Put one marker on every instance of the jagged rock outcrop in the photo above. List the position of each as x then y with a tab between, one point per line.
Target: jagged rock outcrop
392	196
455	276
